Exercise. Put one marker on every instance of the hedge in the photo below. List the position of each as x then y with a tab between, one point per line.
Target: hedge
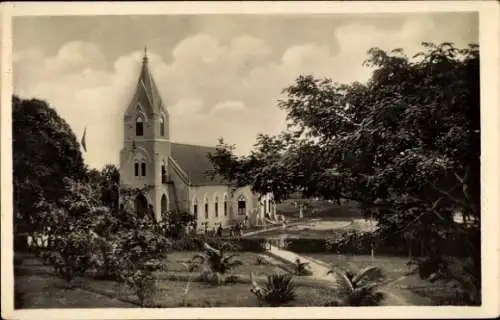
195	242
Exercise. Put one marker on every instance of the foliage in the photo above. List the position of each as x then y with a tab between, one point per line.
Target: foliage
108	182
139	246
280	289
405	145
141	281
215	263
356	290
251	245
305	245
72	225
45	151
176	222
72	255
195	242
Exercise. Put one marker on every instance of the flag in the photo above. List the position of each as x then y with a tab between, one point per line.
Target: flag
84	143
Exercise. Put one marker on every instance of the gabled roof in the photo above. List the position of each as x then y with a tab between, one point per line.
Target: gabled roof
148	86
194	161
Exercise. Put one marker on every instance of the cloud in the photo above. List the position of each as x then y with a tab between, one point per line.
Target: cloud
229	106
186	107
76	56
212	88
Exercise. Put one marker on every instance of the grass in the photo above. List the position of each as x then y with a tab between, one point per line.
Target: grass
322	209
394	268
249	259
171	294
38	288
42	291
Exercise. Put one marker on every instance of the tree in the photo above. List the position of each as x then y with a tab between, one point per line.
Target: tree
405	145
45	151
76	225
108	180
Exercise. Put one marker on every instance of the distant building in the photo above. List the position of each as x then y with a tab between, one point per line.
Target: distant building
174	175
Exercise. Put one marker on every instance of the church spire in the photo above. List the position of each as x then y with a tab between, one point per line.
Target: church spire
146	84
145	58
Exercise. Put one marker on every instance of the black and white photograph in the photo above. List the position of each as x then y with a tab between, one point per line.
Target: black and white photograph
239	159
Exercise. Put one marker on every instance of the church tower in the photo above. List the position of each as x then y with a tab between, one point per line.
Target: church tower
146	146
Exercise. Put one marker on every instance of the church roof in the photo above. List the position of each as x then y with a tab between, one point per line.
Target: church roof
149	86
194	161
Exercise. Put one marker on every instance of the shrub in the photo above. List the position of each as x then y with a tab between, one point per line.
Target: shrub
306	245
215	263
252	245
73	255
141	251
108	261
142	283
358	289
280	289
195	242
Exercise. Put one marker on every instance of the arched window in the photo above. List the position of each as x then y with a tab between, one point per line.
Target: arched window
143	169
206	208
242	205
139	126
216	207
225	205
195	208
164	205
163	172
136	169
162	126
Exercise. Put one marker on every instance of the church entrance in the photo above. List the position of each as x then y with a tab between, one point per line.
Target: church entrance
141	206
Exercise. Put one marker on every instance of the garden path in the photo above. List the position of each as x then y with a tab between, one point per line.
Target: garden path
394	296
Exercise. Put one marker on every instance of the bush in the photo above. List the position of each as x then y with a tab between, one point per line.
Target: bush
252	245
108	262
280	289
195	242
73	255
358	289
306	245
142	283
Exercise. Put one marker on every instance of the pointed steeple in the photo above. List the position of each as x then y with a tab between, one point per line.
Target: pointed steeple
145	58
148	85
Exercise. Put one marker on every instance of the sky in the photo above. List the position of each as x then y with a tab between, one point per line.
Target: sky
219	76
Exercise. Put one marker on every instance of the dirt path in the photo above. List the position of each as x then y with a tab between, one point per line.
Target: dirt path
394	296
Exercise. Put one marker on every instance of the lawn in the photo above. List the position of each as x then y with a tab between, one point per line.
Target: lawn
322	209
175	259
171	294
394	268
44	291
38	287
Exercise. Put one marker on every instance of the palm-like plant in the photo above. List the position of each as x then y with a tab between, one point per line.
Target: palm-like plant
358	289
279	289
214	263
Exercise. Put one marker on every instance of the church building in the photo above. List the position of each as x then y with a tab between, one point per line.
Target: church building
174	176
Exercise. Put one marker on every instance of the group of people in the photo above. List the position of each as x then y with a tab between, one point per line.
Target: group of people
236	230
